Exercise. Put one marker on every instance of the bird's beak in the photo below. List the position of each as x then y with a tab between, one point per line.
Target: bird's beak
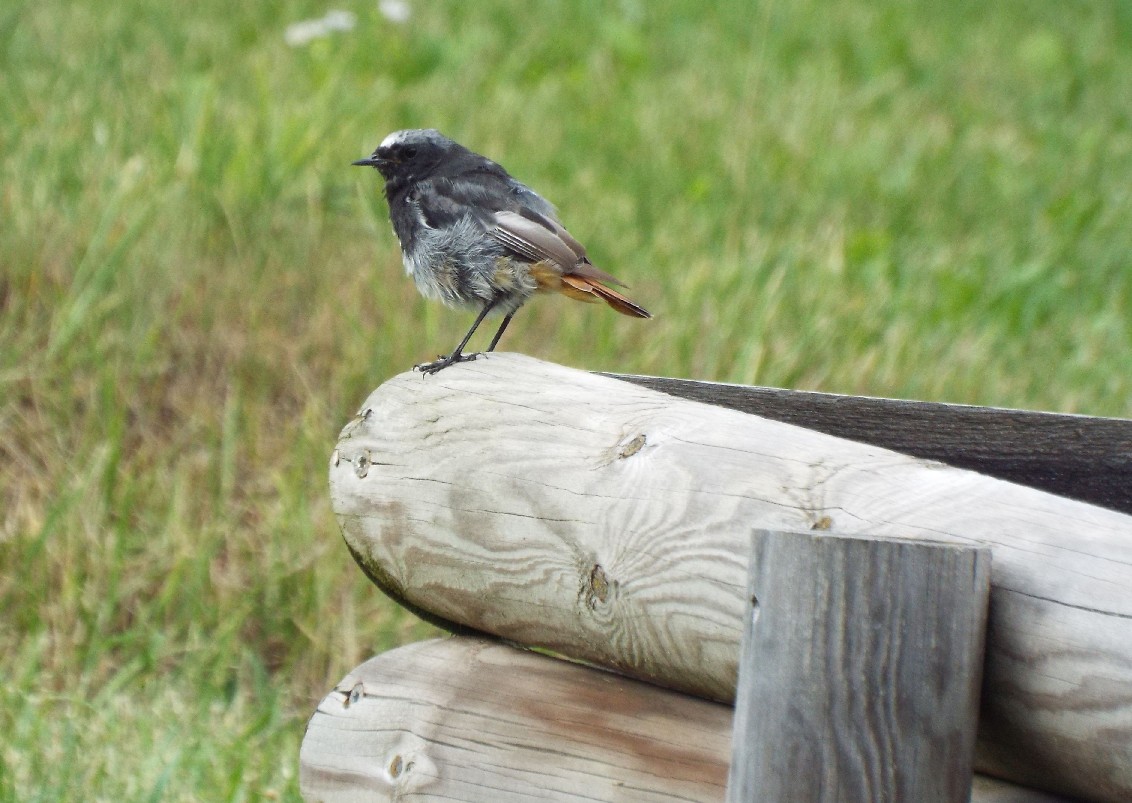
369	161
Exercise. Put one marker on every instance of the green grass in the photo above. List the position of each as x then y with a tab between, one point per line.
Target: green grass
196	291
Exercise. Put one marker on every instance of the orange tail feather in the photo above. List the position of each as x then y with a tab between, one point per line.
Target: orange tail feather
591	290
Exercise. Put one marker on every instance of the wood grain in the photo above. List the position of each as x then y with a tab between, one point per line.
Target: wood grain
1082	457
985	789
610	523
468	719
860	671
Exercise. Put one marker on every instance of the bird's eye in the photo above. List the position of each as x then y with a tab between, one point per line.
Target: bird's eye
409	152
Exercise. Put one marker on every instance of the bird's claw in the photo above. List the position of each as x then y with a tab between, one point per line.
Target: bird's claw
443	362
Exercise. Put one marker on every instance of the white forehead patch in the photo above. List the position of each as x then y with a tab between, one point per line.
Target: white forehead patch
392	139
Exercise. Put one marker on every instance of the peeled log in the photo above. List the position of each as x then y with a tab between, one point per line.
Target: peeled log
433	721
612	523
469	719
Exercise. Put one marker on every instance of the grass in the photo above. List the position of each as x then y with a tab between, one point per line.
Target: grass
196	291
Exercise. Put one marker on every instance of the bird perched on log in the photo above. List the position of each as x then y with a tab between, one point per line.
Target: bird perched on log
472	236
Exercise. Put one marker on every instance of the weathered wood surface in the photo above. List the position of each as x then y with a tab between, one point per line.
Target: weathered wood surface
468	719
1082	457
985	789
860	670
611	523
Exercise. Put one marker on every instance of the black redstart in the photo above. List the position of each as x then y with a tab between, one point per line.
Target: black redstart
472	236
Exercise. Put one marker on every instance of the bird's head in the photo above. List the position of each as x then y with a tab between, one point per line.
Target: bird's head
410	154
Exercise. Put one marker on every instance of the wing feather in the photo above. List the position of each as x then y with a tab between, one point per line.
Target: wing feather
533	241
546	240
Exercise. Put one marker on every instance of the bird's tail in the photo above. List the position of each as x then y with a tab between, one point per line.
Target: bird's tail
585	289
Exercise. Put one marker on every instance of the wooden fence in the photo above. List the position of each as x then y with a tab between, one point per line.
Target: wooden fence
611	524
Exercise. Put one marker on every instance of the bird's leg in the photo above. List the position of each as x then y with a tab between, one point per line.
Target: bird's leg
458	354
499	332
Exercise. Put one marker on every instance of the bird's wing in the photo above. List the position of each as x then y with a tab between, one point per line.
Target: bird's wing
513	214
534	241
543	239
479	192
440	206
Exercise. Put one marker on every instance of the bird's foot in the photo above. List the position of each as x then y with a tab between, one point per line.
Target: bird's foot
443	362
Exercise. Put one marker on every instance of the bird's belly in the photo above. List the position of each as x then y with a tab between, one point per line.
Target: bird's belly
468	271
439	279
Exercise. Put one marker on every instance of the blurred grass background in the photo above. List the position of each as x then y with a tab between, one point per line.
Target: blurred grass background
907	199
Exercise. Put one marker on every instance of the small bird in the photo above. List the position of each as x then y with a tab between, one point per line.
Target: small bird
472	236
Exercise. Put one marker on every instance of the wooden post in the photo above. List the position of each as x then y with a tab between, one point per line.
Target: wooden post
860	672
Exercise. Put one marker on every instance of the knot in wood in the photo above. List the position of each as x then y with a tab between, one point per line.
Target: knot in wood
358	420
356	693
595	589
632	447
361	464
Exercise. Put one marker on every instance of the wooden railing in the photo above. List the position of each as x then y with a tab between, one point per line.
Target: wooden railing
611	524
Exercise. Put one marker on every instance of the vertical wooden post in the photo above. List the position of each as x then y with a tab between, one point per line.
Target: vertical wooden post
860	672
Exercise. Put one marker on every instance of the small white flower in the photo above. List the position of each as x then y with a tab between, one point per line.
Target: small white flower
397	11
300	33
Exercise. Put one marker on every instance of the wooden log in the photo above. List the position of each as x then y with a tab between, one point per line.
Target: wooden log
1079	456
468	719
611	523
860	670
985	789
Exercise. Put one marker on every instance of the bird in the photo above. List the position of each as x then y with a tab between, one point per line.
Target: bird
474	237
